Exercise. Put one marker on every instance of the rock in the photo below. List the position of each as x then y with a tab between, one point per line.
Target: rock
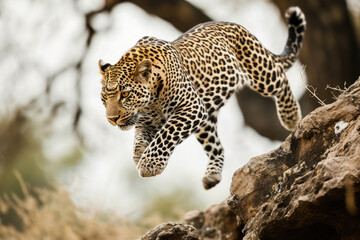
172	231
309	187
217	222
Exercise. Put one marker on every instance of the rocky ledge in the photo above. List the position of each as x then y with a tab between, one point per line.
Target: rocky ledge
308	188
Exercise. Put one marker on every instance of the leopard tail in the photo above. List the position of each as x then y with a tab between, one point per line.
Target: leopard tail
296	27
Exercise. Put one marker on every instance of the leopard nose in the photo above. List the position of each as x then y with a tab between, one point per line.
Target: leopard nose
113	120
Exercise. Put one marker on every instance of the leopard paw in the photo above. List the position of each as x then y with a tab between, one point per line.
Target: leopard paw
136	160
149	169
210	180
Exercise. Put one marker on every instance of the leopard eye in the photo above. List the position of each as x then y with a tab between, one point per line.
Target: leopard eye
125	94
103	98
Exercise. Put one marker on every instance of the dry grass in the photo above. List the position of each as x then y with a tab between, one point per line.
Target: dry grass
54	216
42	213
46	212
310	88
335	91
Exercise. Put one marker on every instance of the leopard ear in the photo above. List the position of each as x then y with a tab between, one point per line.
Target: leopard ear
103	66
143	71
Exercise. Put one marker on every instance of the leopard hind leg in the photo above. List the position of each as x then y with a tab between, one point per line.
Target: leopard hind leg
288	109
276	85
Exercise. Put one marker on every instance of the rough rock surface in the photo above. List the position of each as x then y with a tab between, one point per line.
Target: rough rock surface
308	188
216	222
172	231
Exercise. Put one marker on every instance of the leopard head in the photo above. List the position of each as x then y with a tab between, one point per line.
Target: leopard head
125	90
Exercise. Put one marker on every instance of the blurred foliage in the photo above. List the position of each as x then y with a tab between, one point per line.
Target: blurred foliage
168	206
66	162
23	164
171	206
20	150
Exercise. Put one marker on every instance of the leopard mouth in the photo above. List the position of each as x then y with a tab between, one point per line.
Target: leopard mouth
128	123
125	127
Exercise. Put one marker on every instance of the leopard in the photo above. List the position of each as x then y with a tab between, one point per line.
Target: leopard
169	90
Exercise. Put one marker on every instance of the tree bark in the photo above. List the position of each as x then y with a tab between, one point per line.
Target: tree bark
180	13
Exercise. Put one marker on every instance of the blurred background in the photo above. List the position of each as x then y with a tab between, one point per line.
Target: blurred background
54	136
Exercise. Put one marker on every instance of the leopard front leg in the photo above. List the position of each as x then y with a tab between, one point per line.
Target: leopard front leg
141	142
207	136
150	123
179	126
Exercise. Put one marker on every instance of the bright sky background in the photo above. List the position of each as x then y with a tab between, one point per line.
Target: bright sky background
41	37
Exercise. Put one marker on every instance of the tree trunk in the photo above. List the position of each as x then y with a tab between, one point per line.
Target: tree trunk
180	13
330	54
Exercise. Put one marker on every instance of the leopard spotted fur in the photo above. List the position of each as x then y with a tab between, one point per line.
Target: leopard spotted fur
170	90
